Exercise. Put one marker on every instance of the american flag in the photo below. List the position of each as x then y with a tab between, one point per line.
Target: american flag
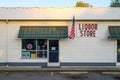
72	32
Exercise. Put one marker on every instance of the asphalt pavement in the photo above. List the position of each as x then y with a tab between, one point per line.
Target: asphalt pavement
76	73
57	76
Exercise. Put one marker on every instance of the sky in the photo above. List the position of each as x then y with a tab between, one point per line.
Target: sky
51	3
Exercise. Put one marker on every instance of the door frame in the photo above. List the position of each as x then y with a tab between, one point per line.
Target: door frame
53	64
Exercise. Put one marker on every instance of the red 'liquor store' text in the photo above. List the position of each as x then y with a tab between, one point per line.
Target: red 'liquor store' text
88	30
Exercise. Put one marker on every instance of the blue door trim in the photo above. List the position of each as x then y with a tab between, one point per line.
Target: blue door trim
24	64
86	64
44	64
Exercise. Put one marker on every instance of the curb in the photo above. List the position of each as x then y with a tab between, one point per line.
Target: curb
79	69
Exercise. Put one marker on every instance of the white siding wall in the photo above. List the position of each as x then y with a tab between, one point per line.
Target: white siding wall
2	42
99	49
14	43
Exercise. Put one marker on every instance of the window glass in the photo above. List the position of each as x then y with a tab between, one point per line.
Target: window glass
33	54
34	48
41	54
25	54
29	44
41	44
53	45
41	48
118	50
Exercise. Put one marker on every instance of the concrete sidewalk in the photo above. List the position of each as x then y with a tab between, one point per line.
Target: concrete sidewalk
65	69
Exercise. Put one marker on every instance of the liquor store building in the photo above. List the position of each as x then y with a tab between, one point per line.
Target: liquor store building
59	36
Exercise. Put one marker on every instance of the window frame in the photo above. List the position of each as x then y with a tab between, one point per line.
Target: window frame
36	50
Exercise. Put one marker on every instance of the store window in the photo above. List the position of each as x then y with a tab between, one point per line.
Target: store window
118	50
34	48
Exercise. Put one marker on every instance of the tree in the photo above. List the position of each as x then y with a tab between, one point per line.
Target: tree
115	3
82	4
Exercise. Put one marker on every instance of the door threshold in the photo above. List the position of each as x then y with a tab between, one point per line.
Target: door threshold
53	64
118	64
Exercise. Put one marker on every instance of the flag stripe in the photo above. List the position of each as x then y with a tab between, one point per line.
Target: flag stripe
72	32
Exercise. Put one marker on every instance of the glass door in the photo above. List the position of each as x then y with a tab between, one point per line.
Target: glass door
53	51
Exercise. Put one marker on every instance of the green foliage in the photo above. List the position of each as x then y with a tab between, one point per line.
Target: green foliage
82	4
115	3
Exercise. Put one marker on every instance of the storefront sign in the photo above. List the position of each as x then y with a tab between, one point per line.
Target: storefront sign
87	30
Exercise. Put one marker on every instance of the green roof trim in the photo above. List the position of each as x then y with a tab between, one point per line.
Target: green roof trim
114	32
43	32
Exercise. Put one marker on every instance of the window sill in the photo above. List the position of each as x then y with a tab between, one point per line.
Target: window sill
34	58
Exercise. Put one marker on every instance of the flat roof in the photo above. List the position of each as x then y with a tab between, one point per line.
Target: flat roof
80	13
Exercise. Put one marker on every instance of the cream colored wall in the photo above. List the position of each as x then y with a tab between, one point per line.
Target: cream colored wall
14	43
99	49
3	51
96	49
